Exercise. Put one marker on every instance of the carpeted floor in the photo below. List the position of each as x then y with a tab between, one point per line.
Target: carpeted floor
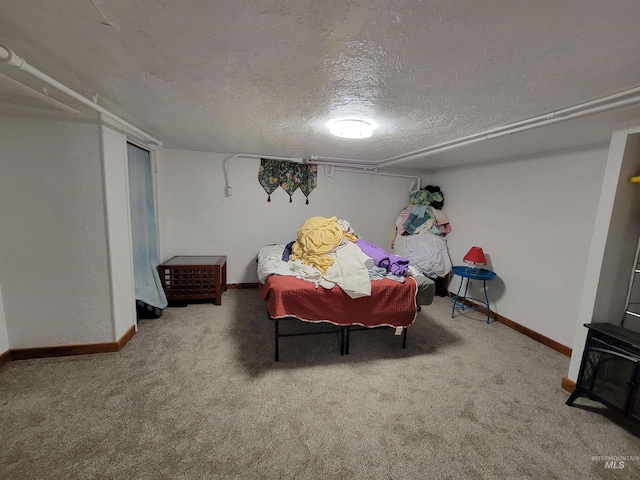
196	395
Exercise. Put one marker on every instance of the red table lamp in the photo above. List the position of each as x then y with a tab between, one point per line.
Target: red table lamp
475	257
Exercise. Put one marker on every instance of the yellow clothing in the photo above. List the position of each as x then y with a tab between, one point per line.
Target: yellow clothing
318	236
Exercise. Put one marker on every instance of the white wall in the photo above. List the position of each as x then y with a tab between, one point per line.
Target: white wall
119	230
195	217
613	245
53	254
623	224
534	218
4	337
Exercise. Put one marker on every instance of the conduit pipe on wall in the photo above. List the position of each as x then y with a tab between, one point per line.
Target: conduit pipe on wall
341	162
414	187
329	170
10	58
226	166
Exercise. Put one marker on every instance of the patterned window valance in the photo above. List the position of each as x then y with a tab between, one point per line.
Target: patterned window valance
288	175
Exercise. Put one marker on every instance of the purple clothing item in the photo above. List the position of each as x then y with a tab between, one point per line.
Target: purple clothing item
399	265
395	264
287	251
380	257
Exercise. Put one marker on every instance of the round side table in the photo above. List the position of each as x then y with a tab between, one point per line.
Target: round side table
470	273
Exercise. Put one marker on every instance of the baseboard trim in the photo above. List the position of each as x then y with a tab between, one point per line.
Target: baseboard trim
5	358
69	350
568	385
557	346
128	335
236	286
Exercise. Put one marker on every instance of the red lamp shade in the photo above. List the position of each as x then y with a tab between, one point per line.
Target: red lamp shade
475	256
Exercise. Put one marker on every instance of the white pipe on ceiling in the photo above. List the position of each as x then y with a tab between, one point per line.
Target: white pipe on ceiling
28	108
576	111
571	116
598	105
584	109
10	58
40	96
549	119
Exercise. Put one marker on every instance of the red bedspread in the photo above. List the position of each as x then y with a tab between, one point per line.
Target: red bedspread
391	303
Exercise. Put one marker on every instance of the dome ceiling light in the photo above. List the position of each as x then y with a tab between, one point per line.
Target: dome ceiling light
350	128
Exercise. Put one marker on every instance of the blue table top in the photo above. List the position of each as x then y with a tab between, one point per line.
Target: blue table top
473	273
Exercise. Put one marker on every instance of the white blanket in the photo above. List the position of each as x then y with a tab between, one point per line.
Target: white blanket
270	263
348	270
425	251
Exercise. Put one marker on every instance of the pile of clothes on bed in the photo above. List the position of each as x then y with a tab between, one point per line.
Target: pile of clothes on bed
420	231
328	252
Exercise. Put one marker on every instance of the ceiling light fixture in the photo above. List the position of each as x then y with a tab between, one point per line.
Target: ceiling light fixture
350	128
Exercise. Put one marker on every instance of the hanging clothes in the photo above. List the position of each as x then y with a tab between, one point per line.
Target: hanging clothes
431	195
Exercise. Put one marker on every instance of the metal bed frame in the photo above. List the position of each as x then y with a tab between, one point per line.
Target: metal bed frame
345	334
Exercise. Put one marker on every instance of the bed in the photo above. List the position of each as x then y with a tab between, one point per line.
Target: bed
391	303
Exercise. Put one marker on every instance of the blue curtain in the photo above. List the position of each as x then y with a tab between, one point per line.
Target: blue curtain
143	229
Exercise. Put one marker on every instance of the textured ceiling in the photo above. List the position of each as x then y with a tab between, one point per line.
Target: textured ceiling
265	76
